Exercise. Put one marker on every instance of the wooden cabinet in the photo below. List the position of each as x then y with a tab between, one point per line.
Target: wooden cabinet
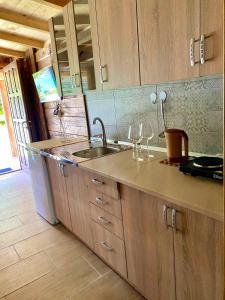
165	30
170	250
72	54
78	196
149	245
115	43
57	177
198	247
212	28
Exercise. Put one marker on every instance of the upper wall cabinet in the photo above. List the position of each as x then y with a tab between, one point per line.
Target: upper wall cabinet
115	43
179	39
72	49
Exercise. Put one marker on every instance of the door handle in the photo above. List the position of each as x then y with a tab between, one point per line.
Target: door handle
102	77
105	246
202	49
103	220
165	217
192	52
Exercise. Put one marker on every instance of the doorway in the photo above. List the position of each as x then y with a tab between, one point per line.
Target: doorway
9	160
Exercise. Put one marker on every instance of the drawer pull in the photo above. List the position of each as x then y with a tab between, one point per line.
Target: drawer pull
100	201
105	246
103	220
96	181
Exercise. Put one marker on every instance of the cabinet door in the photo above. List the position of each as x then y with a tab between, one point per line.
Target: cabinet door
79	204
118	43
212	28
149	245
72	46
165	29
59	192
198	247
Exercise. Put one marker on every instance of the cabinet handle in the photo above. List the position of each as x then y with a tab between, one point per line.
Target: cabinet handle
174	225
102	78
77	79
105	246
192	52
73	82
202	49
62	171
103	221
96	181
165	221
100	201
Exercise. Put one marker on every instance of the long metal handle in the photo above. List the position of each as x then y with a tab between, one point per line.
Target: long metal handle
103	220
77	79
192	52
102	79
96	181
100	201
174	223
62	171
165	218
105	246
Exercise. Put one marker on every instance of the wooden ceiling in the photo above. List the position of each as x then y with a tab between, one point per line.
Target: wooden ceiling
24	24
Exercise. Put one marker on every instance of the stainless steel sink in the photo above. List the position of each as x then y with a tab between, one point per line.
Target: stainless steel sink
96	152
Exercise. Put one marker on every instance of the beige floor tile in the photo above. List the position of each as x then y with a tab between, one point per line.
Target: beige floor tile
23	232
108	287
30	217
65	252
52	237
58	285
8	256
9	224
96	263
23	272
17	209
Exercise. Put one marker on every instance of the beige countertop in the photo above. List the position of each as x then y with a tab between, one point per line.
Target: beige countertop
56	142
195	193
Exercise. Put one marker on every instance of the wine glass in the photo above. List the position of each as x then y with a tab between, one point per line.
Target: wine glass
135	135
150	135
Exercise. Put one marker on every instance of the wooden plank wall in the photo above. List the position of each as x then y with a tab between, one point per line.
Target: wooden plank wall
74	118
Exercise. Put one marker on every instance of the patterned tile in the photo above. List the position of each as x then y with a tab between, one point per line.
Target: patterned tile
195	106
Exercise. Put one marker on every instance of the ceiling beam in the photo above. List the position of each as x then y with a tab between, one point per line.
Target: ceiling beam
53	3
23	20
20	39
11	53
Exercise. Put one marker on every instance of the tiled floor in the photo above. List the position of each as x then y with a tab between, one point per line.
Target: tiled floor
40	261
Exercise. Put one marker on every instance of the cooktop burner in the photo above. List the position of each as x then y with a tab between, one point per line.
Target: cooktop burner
210	167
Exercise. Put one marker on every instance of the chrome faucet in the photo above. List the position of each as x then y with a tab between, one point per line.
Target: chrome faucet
104	142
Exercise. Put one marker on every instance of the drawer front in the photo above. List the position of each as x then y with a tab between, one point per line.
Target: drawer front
107	203
107	220
102	184
110	248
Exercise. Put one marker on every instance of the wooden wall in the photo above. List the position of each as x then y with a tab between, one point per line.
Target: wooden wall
74	118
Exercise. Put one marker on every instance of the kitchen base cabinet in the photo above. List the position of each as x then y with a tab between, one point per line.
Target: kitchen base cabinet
172	252
149	245
57	178
78	197
198	246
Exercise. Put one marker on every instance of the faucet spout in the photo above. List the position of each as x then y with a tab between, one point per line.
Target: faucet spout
104	141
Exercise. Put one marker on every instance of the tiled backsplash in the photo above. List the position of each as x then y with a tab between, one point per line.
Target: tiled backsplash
195	106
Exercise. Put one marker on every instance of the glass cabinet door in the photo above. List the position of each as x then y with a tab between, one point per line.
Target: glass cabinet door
69	79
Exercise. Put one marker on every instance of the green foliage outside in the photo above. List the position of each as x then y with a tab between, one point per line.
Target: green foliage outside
2	119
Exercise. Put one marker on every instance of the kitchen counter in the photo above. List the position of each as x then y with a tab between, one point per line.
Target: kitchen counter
56	142
152	177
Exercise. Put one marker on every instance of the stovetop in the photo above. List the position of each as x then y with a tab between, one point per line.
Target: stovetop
206	166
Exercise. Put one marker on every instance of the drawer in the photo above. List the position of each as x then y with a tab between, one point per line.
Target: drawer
107	203
110	248
100	183
107	220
